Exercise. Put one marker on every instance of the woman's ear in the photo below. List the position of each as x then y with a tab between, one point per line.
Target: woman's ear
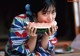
34	15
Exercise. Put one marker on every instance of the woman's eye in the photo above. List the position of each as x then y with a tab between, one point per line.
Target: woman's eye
45	13
53	12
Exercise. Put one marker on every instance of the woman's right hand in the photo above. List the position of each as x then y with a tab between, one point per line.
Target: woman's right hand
31	31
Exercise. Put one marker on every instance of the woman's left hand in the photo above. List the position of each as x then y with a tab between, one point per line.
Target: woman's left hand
51	31
45	38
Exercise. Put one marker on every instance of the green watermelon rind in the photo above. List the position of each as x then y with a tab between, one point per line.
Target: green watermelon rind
42	31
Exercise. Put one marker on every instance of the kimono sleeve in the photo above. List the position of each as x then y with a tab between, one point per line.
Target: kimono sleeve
52	43
51	46
18	36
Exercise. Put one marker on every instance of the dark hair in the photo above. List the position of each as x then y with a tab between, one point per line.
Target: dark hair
38	5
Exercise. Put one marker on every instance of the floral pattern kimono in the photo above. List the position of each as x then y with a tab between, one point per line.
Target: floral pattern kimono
17	44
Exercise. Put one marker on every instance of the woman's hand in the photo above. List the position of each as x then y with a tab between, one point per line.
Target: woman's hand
31	31
51	31
45	38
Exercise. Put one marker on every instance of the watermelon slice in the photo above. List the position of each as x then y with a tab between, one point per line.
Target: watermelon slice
43	27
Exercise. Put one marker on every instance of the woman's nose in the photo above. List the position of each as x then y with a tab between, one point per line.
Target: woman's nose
50	17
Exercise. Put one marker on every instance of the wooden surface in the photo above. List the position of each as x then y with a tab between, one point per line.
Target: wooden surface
69	54
75	53
59	45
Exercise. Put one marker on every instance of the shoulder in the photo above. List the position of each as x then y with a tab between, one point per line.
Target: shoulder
22	16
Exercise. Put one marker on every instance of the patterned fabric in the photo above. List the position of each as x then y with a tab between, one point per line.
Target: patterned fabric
17	44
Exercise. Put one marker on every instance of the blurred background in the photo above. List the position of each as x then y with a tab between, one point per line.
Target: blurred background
66	19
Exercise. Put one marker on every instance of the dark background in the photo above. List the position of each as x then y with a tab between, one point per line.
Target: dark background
65	17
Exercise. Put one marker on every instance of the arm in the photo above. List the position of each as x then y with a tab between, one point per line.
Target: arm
19	37
48	36
32	43
31	31
48	43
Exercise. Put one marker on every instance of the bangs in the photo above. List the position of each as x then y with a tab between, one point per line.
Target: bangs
47	4
40	5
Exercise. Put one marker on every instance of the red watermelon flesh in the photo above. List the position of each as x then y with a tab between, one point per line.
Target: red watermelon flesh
43	27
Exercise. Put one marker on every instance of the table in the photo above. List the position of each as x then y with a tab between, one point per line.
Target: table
75	53
69	54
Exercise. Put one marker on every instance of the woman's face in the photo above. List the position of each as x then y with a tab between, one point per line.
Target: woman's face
46	17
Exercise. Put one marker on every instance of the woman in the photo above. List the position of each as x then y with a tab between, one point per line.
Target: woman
23	38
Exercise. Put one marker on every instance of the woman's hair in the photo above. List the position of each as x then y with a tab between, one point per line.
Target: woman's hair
38	5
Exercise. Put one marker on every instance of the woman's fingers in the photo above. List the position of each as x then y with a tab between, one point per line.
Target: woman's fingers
28	28
31	30
35	30
49	31
54	29
46	33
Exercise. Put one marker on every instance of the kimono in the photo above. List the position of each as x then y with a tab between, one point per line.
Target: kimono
17	44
